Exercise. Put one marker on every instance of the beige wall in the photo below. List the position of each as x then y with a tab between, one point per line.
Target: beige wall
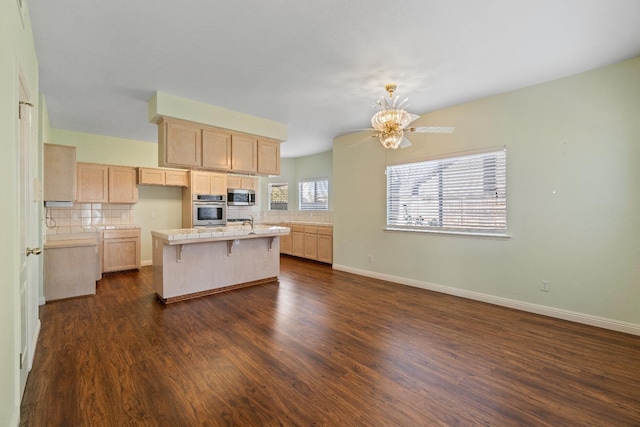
573	150
17	53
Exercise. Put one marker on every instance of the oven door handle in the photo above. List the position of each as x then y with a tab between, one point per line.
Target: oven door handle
212	204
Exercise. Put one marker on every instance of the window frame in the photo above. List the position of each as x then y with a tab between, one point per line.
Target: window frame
480	169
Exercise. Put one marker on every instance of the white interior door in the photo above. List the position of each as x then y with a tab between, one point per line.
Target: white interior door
28	236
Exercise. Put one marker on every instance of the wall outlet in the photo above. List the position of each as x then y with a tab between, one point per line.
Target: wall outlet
544	285
370	258
152	215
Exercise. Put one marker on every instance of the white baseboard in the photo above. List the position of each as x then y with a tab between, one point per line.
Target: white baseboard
146	263
41	300
587	319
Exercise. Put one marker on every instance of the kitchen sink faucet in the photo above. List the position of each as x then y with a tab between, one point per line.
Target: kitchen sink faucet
250	221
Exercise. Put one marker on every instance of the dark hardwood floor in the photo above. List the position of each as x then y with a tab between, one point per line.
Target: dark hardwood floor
321	348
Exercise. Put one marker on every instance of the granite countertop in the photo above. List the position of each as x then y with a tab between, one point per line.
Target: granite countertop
208	234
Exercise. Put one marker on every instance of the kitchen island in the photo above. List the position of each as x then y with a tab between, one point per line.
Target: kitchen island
194	262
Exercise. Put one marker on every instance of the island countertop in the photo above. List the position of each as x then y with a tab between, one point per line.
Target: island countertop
181	236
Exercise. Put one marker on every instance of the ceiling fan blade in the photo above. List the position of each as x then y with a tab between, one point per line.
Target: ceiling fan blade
405	143
368	138
413	117
433	129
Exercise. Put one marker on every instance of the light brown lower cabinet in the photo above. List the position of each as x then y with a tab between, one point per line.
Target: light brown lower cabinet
286	244
312	242
120	250
325	244
297	240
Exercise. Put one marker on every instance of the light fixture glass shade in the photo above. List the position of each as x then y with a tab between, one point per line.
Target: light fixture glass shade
391	118
390	123
391	139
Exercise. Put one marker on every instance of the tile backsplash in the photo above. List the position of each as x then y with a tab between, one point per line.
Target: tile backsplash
275	217
81	216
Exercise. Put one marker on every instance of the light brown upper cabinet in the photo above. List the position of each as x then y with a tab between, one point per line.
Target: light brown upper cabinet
192	145
242	182
216	149
268	157
59	173
164	177
208	183
244	153
122	185
92	183
97	183
179	144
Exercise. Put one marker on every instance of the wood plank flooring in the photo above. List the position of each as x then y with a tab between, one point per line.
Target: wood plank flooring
321	348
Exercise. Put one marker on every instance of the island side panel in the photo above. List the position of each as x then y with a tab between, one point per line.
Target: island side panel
206	265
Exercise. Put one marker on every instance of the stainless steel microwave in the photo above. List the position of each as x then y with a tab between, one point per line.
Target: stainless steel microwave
237	197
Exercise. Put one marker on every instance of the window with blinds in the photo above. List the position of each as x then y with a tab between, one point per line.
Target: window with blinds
463	194
314	195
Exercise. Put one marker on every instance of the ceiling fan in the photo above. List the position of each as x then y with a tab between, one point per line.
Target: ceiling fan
392	121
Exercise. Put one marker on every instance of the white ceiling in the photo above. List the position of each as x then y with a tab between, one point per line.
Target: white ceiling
316	66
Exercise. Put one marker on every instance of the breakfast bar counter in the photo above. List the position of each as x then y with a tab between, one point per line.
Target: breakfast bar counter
194	262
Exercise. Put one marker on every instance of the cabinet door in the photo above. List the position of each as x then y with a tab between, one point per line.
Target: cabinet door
176	178
92	183
247	183
122	185
286	244
268	157
311	245
200	183
297	243
218	183
121	250
325	248
151	176
183	145
216	149
59	173
244	156
242	182
234	182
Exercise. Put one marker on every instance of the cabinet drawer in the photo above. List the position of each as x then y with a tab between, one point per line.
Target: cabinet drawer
327	231
120	234
312	230
297	228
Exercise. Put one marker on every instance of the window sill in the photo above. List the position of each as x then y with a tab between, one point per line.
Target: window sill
453	233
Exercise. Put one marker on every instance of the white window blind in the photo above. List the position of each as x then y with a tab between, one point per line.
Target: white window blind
314	194
465	194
